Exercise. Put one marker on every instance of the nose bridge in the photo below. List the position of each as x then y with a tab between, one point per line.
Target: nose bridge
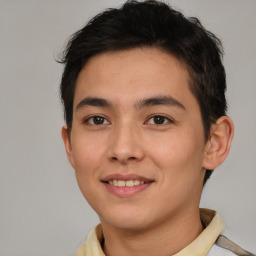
126	143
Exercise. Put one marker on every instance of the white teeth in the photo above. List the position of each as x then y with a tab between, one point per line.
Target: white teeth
136	182
128	183
121	183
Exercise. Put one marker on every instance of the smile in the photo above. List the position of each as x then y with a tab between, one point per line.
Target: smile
127	183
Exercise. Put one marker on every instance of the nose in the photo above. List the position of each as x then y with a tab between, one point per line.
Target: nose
126	145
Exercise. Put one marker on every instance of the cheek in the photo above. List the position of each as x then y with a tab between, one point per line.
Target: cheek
87	153
180	162
178	153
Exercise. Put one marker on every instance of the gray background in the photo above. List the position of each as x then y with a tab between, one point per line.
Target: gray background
42	212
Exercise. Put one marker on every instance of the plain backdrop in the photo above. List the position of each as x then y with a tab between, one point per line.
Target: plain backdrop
42	212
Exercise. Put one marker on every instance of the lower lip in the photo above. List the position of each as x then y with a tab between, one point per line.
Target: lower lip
126	191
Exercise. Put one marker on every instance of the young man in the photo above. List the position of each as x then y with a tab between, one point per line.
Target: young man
144	98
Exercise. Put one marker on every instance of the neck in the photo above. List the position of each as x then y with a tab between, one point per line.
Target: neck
164	239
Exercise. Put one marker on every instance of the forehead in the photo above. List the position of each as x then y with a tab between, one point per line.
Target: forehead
129	75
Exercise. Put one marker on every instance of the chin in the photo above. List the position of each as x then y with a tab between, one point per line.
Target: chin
129	220
130	225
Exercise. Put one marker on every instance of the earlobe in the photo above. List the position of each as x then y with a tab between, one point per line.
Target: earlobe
67	144
218	145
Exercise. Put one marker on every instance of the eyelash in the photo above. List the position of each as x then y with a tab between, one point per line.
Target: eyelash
163	118
93	118
166	120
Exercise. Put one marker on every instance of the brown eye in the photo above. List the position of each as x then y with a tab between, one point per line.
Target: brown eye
159	120
96	120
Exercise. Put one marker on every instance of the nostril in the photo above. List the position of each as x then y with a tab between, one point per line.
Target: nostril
115	158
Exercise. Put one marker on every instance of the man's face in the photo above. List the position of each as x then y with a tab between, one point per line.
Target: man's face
137	139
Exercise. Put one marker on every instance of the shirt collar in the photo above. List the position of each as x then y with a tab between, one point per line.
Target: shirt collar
202	244
211	220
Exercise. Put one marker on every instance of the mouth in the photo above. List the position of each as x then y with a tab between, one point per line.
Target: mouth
126	186
127	183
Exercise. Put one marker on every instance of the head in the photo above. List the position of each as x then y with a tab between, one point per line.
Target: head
143	92
152	24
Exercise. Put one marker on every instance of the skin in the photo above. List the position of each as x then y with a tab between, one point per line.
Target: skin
169	149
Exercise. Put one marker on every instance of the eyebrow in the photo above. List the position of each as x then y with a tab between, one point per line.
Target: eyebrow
93	102
159	100
148	102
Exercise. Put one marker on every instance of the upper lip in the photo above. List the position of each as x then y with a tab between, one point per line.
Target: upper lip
126	177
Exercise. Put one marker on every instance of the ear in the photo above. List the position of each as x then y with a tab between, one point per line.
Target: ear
218	145
67	144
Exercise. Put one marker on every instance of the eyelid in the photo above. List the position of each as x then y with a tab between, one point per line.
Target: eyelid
169	120
88	118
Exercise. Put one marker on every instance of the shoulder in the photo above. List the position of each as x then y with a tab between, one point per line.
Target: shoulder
92	246
81	250
224	247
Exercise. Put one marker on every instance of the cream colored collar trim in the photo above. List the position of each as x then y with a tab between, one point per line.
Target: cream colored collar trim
199	247
203	243
92	246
